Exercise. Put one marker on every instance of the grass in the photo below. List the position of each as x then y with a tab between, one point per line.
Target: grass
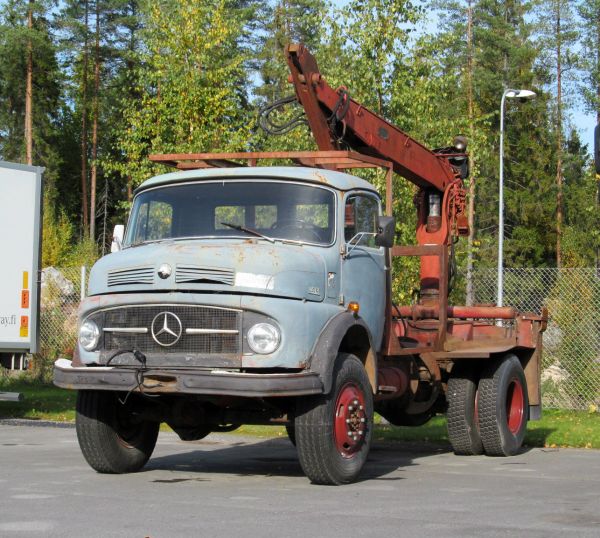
41	401
556	429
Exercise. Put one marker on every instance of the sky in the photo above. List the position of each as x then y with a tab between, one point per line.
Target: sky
585	124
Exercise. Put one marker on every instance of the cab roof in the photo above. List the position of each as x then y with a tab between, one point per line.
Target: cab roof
330	178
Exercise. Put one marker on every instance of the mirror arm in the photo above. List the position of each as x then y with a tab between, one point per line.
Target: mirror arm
358	236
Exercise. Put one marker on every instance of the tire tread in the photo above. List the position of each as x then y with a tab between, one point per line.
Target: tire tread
98	440
314	429
461	389
494	436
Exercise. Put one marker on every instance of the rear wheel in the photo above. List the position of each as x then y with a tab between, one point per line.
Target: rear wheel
462	419
503	406
110	438
333	431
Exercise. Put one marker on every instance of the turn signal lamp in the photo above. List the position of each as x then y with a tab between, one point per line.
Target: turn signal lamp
354	307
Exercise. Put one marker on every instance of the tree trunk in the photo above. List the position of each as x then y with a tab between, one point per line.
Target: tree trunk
29	90
94	171
471	114
84	186
559	174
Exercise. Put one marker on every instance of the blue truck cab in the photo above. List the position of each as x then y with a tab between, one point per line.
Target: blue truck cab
240	295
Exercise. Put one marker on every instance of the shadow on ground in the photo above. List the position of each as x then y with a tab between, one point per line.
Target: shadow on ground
277	457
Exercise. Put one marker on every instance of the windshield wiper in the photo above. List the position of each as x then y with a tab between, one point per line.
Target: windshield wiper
248	230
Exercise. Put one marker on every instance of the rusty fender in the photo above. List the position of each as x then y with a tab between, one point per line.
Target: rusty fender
343	332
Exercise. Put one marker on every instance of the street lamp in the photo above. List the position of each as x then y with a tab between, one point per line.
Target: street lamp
511	94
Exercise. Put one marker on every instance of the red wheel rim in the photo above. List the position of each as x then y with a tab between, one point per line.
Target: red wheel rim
515	406
350	420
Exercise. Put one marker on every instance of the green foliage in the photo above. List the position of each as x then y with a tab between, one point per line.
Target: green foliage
60	248
279	23
581	235
15	38
84	252
57	234
589	13
190	84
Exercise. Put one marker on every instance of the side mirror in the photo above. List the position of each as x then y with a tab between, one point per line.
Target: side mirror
597	148
386	230
117	240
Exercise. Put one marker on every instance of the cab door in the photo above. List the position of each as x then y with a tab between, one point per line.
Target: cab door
363	263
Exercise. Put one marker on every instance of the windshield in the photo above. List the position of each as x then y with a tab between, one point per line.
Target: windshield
286	211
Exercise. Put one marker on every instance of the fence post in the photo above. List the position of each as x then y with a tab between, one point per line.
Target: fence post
82	290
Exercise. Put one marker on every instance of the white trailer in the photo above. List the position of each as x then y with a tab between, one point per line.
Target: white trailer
20	245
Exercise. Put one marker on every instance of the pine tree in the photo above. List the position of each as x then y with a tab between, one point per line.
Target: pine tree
28	116
73	26
581	233
558	37
589	12
279	23
505	57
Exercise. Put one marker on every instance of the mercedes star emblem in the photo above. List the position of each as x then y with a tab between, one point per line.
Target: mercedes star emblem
166	329
164	271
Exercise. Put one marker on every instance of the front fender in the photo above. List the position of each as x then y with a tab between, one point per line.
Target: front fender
343	332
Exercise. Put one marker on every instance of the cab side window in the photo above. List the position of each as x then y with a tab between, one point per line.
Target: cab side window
361	216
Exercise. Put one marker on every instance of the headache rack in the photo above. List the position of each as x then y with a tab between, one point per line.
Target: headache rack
329	160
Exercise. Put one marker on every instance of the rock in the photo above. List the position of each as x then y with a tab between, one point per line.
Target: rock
555	374
55	288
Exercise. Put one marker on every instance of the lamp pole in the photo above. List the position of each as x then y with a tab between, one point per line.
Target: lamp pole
511	94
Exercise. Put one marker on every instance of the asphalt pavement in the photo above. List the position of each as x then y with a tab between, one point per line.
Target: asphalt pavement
227	485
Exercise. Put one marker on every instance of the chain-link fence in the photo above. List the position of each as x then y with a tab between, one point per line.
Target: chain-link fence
61	291
571	359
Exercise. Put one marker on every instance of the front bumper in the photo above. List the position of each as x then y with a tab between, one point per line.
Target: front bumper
209	382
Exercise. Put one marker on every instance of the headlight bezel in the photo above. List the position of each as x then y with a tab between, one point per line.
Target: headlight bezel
94	334
263	329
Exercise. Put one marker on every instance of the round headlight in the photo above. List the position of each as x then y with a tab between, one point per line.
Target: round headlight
89	335
263	338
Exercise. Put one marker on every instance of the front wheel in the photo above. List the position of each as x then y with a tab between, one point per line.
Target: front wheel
503	406
110	438
333	431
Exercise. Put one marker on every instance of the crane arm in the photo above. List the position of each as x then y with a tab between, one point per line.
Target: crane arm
332	113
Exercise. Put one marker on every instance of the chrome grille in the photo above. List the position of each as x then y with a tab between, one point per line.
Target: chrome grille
225	340
194	273
136	275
